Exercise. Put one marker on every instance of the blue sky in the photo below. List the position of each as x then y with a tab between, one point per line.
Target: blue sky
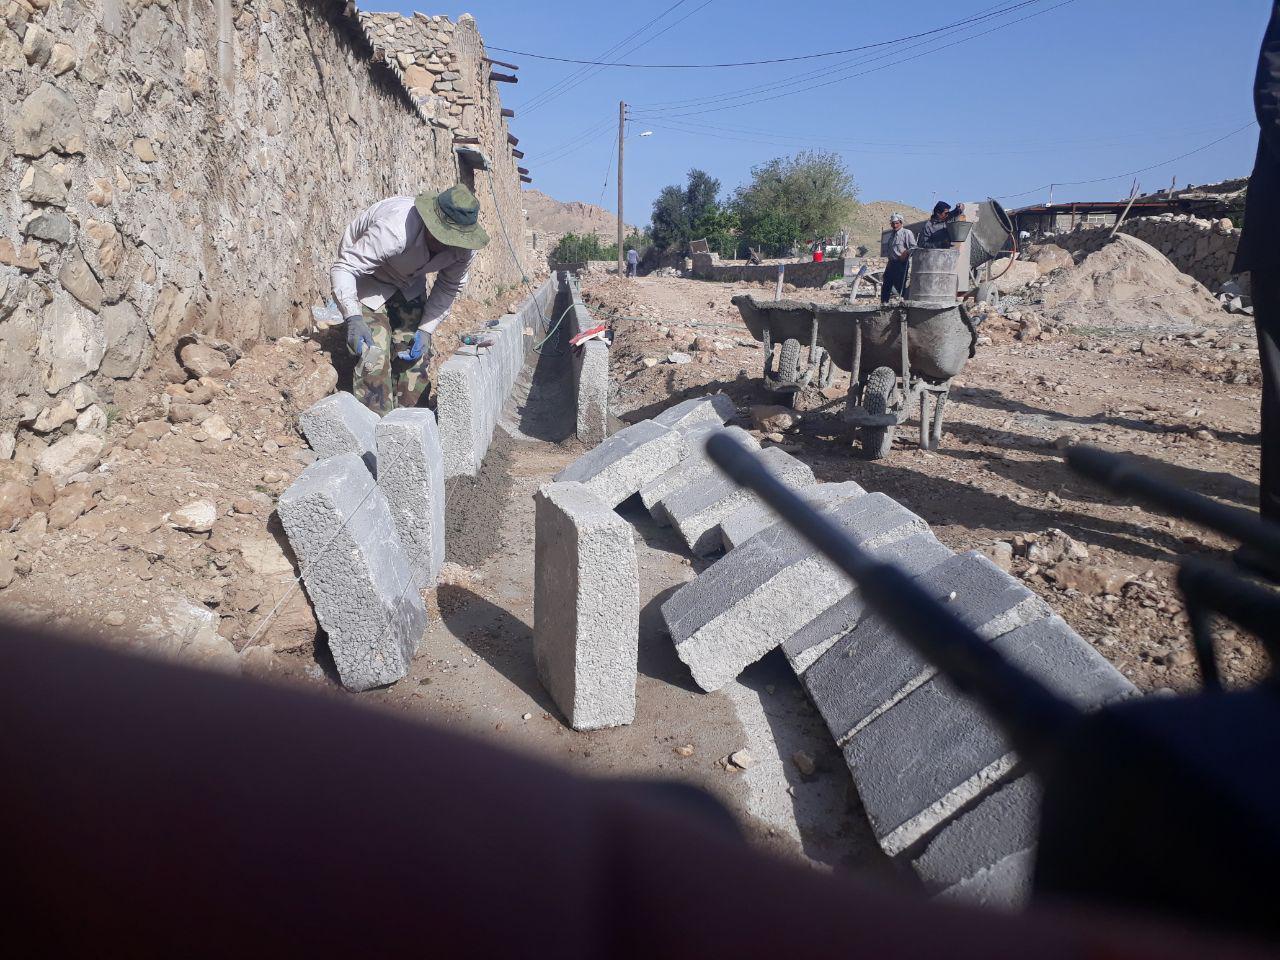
1080	89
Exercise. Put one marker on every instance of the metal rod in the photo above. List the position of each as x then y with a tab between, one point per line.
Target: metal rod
1034	718
1126	476
1202	644
924	419
1244	602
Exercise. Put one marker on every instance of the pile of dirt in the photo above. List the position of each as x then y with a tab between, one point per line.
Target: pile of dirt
1128	284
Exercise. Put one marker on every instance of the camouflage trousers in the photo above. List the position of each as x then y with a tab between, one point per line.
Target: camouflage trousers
382	381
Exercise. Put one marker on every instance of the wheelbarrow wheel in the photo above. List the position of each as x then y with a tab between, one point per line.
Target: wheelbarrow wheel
877	393
826	372
789	362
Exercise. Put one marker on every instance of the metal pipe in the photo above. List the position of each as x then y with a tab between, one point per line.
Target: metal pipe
1034	718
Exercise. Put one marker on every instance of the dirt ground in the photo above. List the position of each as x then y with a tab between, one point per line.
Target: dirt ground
1183	398
115	554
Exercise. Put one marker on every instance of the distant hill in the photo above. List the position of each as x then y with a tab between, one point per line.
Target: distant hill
871	219
550	217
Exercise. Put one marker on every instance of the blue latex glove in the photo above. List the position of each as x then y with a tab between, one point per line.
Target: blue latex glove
421	343
359	335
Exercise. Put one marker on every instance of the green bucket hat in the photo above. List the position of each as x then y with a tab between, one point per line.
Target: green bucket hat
452	217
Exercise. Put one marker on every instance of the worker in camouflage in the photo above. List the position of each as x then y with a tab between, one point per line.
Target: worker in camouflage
380	284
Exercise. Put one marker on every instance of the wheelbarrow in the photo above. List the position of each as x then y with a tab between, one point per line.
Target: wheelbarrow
790	325
898	355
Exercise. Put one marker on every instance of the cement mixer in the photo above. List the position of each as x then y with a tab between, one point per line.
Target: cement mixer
898	353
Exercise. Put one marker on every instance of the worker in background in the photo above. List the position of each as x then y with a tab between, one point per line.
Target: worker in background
1258	254
380	284
934	234
633	262
901	242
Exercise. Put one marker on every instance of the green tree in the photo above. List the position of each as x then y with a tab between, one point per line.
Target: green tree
795	199
574	248
691	212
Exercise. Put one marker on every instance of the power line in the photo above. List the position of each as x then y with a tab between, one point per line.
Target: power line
1131	173
750	63
607	170
745	99
578	76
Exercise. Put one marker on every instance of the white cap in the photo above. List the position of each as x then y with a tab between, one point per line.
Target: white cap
897	217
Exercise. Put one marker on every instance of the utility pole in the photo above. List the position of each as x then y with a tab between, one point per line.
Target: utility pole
622	123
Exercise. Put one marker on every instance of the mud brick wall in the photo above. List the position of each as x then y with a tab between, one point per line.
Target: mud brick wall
189	165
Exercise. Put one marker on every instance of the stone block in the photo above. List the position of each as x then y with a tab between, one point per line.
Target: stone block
717	408
748	520
692	468
411	477
869	668
985	853
462	398
697	511
934	751
631	458
586	607
752	599
915	555
341	424
355	570
592	370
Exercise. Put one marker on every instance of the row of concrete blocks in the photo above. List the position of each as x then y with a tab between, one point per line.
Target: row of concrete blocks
473	384
940	785
590	365
366	522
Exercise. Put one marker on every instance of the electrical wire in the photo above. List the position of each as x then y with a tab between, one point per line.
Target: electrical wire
749	63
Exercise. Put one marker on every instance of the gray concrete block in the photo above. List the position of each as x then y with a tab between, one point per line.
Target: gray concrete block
1005	885
970	853
356	573
934	752
628	460
697	511
586	607
749	519
870	667
461	397
717	408
692	468
592	370
341	424
753	598
411	477
915	555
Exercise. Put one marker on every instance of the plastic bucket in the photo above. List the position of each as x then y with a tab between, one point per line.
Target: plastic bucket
959	230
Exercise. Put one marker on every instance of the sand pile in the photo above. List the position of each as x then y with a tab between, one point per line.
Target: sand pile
1129	284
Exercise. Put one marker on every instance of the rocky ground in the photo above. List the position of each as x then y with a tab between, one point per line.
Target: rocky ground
1178	394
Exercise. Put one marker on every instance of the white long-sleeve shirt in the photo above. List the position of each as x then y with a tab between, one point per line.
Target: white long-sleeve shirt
384	250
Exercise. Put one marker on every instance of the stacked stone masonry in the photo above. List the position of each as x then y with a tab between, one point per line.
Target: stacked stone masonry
1204	249
177	166
939	782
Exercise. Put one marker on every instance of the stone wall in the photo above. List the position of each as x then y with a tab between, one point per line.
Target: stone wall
189	165
1204	249
804	273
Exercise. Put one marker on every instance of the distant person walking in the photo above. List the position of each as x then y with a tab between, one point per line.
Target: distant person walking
934	234
901	242
1259	255
633	262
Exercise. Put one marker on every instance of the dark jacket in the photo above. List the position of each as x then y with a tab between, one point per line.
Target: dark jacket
934	235
1258	249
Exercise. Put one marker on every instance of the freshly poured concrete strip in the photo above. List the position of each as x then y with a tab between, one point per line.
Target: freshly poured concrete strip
691	469
697	510
934	751
745	522
341	424
698	410
751	600
411	477
984	855
357	575
631	458
915	555
586	607
870	668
